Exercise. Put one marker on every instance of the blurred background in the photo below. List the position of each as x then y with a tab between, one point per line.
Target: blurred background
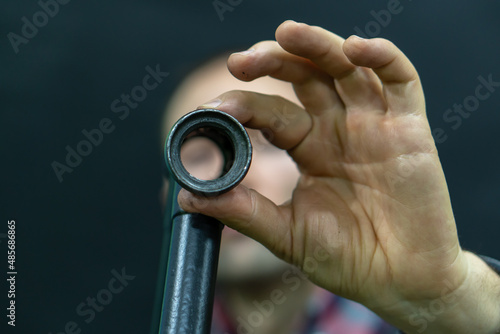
63	66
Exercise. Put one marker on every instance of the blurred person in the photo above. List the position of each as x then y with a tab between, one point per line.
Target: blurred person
351	191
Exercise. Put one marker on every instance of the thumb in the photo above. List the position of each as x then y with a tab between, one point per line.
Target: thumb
248	212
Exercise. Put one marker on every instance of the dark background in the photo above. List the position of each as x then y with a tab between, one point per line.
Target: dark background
106	214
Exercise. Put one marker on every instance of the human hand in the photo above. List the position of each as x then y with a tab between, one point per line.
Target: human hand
370	218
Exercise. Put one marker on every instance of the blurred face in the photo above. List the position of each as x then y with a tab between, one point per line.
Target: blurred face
272	172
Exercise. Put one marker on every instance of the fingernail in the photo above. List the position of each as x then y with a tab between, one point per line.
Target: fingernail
246	52
356	36
211	104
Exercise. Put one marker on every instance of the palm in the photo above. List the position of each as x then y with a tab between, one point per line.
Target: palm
374	175
376	202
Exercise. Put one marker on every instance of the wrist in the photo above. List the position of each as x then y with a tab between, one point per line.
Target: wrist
471	307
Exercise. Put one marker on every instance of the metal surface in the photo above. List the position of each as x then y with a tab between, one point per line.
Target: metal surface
225	131
192	241
191	274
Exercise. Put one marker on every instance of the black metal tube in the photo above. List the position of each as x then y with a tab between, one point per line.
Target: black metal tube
195	239
191	274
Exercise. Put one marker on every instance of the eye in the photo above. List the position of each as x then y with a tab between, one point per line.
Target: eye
202	158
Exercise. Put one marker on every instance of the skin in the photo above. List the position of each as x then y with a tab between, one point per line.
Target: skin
372	197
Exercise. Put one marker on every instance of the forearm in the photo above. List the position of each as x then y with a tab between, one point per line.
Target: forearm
472	308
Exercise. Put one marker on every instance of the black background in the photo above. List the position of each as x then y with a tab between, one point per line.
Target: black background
106	214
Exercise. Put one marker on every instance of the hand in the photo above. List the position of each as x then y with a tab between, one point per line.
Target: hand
370	218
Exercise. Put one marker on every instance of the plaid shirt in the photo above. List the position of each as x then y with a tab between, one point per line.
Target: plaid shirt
326	314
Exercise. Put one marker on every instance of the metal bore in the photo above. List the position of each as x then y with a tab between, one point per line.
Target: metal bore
225	131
